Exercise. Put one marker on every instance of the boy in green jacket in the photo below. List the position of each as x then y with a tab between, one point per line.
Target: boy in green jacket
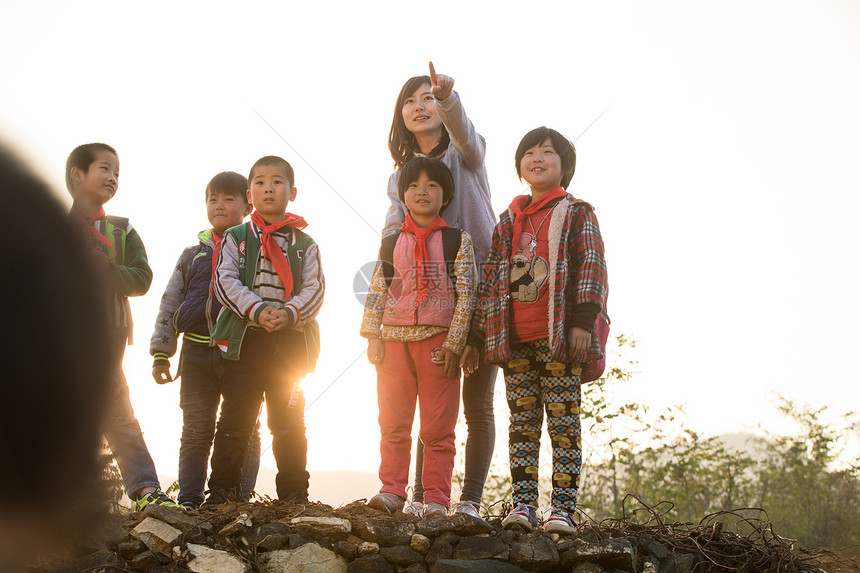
118	258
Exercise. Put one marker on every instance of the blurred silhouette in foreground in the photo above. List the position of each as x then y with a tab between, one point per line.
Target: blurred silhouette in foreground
55	373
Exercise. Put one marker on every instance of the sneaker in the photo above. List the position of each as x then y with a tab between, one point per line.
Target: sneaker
387	502
156	497
469	508
434	508
559	521
189	505
215	497
524	515
413	508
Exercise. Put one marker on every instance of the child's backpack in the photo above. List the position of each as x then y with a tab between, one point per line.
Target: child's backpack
450	248
115	229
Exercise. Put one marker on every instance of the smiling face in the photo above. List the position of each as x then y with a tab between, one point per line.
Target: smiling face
271	191
424	198
541	167
419	111
95	186
225	210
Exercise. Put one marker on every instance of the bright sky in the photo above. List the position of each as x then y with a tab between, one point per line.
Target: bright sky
725	170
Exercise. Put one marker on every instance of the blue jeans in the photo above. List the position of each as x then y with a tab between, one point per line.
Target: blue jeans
125	439
271	364
202	374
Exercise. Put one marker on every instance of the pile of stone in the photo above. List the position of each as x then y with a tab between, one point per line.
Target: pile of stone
275	537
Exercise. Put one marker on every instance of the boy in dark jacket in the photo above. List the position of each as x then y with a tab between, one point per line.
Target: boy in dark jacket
119	259
188	306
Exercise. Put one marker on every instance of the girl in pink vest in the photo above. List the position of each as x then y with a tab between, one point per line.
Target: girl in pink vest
416	320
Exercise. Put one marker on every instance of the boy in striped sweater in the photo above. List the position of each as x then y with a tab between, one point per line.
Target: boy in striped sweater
270	282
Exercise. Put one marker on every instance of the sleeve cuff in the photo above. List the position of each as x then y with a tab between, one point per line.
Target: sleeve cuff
584	316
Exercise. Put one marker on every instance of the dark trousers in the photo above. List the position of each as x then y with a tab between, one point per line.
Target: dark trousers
201	378
270	365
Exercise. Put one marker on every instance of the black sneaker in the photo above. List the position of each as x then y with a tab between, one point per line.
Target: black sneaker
215	497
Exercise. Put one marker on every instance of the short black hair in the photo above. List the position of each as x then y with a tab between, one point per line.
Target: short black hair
229	182
435	170
275	160
562	145
82	156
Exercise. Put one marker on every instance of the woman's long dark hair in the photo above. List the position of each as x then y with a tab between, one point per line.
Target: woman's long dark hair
401	141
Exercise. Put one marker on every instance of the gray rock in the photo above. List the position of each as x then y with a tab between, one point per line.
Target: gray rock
439	550
508	536
535	552
417	568
268	537
482	548
128	549
309	558
387	532
420	543
370	564
145	561
157	535
678	563
610	553
329	524
102	561
296	541
650	565
345	549
178	518
114	535
368	548
450	538
401	555
459	523
207	560
475	566
653	547
588	568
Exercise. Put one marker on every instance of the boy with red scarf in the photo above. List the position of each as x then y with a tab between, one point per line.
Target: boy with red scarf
541	291
270	282
119	258
416	320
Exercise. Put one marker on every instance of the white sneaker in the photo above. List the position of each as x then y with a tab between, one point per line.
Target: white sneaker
434	508
559	521
523	515
469	508
413	508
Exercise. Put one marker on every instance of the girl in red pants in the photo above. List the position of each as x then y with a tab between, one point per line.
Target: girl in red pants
416	319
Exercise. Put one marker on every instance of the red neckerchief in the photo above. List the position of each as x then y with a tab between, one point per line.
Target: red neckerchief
215	252
89	223
523	211
271	249
421	253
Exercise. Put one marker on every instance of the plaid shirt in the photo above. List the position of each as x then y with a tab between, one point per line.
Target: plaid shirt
577	271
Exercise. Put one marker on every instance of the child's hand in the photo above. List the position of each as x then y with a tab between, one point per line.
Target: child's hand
578	341
469	360
161	373
281	319
375	351
440	86
449	361
267	319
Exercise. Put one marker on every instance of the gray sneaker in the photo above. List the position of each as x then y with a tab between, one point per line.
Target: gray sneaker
469	508
434	508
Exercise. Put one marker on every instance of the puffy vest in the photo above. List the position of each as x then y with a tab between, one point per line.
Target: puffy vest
401	305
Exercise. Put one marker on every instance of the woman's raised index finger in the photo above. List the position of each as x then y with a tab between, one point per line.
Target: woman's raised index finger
433	75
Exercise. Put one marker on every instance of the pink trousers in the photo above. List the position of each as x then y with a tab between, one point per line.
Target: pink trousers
408	373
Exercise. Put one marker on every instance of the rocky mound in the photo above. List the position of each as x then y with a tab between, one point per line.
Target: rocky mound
279	537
